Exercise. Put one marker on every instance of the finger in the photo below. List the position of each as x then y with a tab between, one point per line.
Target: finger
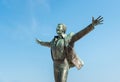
101	20
98	17
37	40
101	23
92	18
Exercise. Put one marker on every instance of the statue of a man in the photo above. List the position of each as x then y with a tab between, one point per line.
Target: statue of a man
62	51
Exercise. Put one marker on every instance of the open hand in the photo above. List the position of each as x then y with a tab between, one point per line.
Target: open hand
38	41
97	21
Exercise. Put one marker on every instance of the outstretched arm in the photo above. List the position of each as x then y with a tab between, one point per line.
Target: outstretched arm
86	30
47	44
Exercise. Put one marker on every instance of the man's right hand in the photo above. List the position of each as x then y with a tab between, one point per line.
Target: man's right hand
38	41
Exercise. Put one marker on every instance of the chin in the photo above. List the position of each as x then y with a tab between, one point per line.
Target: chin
59	33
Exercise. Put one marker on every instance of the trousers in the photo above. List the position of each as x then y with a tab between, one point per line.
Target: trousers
61	72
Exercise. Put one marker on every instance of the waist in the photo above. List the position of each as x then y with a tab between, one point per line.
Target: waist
60	61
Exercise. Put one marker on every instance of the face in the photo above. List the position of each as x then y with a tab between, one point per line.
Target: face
59	29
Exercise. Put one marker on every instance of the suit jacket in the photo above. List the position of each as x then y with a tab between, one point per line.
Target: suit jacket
69	41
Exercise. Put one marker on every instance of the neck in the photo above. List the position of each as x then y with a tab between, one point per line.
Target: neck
62	35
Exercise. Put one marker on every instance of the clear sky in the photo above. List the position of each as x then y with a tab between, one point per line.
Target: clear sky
23	60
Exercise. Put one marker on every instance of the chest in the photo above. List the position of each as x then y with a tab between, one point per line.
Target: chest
58	43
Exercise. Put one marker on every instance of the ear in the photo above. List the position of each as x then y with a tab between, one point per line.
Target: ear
63	31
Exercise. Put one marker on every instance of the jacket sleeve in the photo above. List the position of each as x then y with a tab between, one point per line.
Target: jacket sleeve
47	44
81	33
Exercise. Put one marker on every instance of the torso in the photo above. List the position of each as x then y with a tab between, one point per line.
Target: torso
57	48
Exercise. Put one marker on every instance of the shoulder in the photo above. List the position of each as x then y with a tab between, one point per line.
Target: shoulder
70	34
69	37
54	38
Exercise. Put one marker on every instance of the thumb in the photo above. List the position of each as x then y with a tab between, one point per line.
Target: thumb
92	19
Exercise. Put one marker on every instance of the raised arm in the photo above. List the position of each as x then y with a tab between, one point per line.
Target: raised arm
47	44
86	30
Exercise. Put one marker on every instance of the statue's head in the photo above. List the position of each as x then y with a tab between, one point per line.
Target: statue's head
61	29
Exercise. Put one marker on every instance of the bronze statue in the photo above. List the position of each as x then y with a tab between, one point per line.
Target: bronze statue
62	51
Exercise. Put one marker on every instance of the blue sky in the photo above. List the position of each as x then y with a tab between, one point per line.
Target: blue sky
23	60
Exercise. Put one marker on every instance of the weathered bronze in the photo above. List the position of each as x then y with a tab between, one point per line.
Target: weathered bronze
62	51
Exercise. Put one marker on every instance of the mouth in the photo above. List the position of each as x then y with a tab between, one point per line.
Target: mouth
59	33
